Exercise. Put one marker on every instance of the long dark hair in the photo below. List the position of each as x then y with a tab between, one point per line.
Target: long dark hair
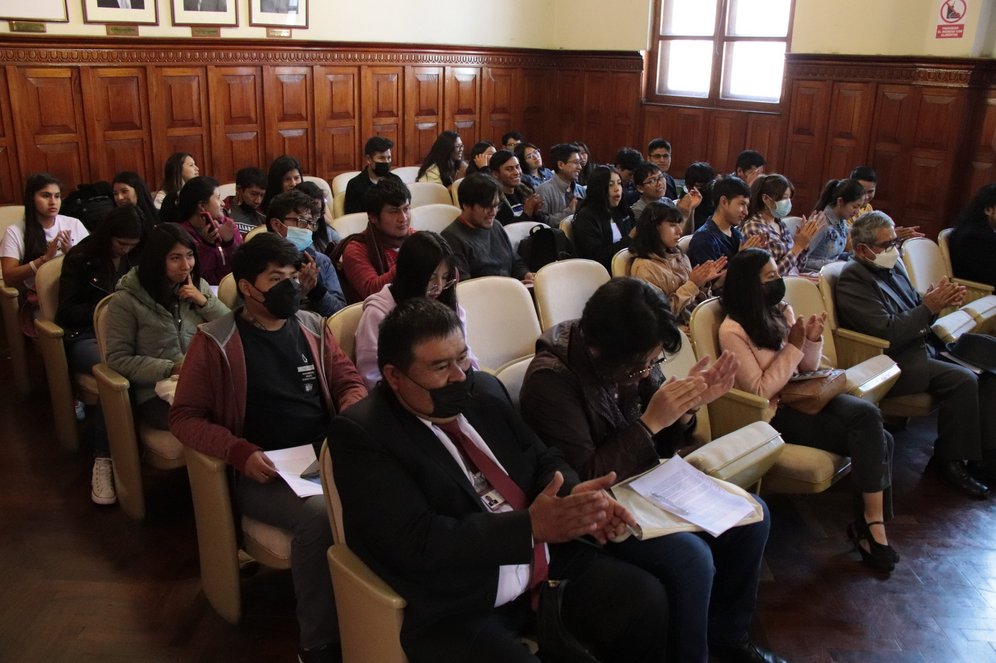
121	223
417	260
647	239
152	264
975	213
34	234
743	300
275	176
479	148
143	197
520	154
849	190
441	156
585	175
597	197
173	172
196	191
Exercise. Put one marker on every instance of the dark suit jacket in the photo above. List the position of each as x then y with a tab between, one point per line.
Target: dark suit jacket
868	303
411	514
973	254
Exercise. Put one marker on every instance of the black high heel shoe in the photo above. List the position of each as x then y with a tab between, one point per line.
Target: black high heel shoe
877	556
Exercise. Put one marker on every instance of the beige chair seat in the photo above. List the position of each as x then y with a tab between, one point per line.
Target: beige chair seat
268	544
162	449
741	457
562	289
801	469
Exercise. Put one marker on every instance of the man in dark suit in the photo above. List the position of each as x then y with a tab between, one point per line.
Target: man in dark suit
433	509
874	296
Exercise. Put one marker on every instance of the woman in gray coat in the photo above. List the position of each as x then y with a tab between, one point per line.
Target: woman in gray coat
154	314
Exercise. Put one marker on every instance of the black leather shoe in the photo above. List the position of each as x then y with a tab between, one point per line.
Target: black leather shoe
984	471
956	473
748	652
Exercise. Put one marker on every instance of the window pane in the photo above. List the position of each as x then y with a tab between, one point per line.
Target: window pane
758	18
753	70
693	18
685	68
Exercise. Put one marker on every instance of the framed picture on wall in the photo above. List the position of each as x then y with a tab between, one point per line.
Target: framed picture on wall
206	12
279	13
134	12
49	11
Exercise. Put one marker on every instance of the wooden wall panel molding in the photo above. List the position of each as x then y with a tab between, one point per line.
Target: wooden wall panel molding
933	72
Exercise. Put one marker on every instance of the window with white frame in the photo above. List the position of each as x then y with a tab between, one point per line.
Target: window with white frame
719	50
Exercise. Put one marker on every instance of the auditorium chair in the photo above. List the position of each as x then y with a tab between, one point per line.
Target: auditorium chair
370	612
622	263
925	265
340	181
854	348
562	289
63	387
323	185
455	192
261	228
343	324
518	231
350	224
501	319
434	217
226	190
338	205
228	292
428	193
218	539
683	243
406	173
130	444
567	227
798	469
9	305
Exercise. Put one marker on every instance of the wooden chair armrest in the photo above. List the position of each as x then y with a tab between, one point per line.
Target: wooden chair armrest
854	347
736	409
983	288
48	329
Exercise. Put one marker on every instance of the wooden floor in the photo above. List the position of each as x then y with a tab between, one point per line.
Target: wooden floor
80	582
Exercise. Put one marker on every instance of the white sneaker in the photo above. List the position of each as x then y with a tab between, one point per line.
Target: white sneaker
102	483
80	410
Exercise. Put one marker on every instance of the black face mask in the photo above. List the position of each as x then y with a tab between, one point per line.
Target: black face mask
449	401
283	300
773	291
381	168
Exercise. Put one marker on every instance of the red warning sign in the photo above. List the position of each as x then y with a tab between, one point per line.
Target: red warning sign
952	20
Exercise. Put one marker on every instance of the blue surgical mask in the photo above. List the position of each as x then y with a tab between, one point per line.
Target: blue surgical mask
782	208
299	237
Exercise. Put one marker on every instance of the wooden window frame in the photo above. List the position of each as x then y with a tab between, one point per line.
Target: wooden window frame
719	42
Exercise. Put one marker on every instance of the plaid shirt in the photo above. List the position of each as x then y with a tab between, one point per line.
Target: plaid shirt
780	244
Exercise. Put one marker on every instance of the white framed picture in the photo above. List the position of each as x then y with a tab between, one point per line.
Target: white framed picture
206	12
279	13
49	11
135	12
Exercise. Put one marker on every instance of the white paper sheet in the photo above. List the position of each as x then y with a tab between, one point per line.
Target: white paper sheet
290	463
680	489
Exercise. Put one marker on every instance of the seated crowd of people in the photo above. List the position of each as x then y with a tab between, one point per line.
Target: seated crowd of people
462	502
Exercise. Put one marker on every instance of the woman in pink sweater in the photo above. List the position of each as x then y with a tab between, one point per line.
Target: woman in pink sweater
772	345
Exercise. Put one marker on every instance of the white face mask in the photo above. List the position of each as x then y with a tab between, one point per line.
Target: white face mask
782	208
887	259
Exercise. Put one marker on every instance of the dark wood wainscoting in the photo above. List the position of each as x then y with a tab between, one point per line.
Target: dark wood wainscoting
84	109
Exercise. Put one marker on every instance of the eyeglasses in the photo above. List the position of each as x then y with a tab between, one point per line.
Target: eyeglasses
574	161
649	367
434	289
302	221
888	244
653	181
533	155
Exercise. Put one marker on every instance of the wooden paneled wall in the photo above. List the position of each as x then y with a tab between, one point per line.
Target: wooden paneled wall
85	109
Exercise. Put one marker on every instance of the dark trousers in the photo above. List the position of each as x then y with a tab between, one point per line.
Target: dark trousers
615	608
82	354
848	426
711	583
962	395
276	504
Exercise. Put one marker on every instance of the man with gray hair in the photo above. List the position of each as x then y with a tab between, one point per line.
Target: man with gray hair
874	296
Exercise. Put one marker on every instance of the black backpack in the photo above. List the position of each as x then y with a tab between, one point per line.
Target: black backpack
90	203
543	246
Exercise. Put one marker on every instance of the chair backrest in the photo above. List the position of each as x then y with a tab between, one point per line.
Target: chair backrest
47	287
622	263
923	261
226	190
683	243
704	328
567	227
339	204
944	243
518	231
322	184
350	224
333	504
511	375
343	324
340	181
455	192
406	173
562	289
9	215
428	193
828	286
501	319
792	223
261	228
805	298
434	217
100	324
228	293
